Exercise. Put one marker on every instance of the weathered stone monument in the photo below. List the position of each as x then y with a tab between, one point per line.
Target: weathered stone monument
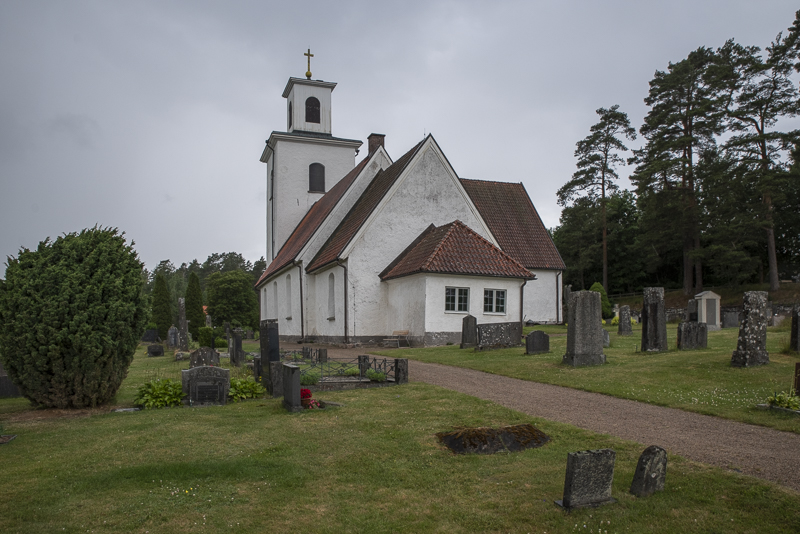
155	350
692	335
469	332
606	339
654	320
401	371
183	338
691	311
499	335
794	337
751	348
270	353
651	472
235	351
624	328
565	301
537	342
589	477
584	330
708	309
206	386
204	356
173	339
730	319
291	387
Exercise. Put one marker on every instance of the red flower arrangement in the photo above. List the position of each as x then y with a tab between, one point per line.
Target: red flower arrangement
305	393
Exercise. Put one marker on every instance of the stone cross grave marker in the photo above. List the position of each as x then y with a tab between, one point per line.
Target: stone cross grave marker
204	356
173	339
651	472
584	330
469	332
624	328
692	335
537	342
206	386
654	320
589	477
751	348
291	388
183	337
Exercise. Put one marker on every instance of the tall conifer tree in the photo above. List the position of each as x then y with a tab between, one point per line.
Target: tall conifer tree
162	308
194	306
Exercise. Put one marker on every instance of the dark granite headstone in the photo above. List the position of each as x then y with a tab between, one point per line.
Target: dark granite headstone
654	320
206	386
322	355
692	335
751	348
537	342
651	472
258	371
204	356
172	337
730	319
274	381
150	336
794	337
691	311
499	335
584	330
235	351
589	477
492	440
155	350
606	338
469	332
183	324
291	387
624	321
270	352
401	371
565	295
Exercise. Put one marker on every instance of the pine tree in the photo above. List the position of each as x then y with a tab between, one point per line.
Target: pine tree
162	306
194	306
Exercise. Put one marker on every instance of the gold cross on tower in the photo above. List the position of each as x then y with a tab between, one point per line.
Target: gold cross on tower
309	55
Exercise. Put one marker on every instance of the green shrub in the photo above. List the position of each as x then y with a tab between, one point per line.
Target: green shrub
376	376
71	315
220	343
245	388
785	400
608	309
206	334
162	306
353	371
159	393
309	379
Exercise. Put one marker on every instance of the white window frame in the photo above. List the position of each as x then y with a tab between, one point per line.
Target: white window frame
461	302
494	301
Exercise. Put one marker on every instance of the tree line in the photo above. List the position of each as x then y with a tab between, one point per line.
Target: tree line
716	196
223	282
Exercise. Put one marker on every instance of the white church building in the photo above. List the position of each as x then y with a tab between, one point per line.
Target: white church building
356	251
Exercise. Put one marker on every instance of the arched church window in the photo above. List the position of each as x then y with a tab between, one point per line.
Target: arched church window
274	300
331	297
312	110
316	178
290	115
288	297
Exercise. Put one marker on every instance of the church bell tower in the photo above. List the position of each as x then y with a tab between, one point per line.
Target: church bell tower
305	161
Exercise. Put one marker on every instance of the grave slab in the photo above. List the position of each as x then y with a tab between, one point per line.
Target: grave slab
588	479
624	328
651	472
584	330
469	332
204	356
537	342
654	320
751	347
206	386
692	335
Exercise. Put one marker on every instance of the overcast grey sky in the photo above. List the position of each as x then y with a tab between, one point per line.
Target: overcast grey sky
151	116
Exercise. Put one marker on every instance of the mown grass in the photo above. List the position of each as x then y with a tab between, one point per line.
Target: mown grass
372	465
700	381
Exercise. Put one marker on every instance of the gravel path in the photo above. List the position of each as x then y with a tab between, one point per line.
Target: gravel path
757	451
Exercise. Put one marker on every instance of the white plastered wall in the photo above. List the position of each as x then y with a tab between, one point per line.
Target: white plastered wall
319	321
543	297
297	96
438	320
286	307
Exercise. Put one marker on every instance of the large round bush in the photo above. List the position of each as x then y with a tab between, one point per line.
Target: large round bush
71	315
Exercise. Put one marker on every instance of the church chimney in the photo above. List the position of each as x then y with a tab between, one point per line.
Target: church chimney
374	141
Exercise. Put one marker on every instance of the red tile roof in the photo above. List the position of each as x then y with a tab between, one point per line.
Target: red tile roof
310	222
514	223
454	249
370	198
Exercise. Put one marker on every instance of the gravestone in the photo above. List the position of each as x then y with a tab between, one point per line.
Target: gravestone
708	309
235	351
654	320
794	337
651	472
537	342
499	335
589	477
692	335
469	332
401	371
584	330
183	336
291	388
204	356
322	355
565	295
270	352
751	348
155	350
209	322
275	378
150	336
172	337
258	371
796	381
206	386
606	339
624	328
730	319
249	335
691	311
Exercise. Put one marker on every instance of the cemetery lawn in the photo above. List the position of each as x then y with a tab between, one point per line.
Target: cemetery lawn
372	465
699	381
